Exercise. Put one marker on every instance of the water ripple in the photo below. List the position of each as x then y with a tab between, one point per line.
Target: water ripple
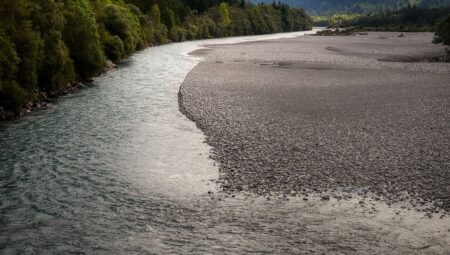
116	169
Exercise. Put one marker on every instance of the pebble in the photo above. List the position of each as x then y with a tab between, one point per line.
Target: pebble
325	121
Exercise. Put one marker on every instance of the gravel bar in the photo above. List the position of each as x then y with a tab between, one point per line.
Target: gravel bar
364	114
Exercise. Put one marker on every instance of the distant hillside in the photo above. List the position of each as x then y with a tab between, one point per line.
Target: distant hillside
357	6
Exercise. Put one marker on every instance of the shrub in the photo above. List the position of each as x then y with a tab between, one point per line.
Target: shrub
12	95
178	34
57	67
113	47
81	36
442	34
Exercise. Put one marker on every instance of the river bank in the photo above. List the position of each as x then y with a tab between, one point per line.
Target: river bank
45	99
117	169
328	116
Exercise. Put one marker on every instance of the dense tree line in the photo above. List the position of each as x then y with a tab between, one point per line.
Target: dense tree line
411	18
328	7
47	44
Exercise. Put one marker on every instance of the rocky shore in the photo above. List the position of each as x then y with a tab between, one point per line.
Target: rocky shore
44	99
327	116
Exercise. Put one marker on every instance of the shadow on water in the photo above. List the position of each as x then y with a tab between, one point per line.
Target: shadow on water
116	168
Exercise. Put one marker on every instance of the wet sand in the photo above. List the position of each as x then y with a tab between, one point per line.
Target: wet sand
327	116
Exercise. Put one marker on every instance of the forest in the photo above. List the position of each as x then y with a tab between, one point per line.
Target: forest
409	19
329	7
47	45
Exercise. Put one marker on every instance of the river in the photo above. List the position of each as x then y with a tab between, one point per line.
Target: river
115	168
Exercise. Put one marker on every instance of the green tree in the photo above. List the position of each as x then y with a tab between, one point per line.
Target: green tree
81	36
443	32
119	21
46	44
17	24
57	68
223	8
12	95
168	18
160	30
155	14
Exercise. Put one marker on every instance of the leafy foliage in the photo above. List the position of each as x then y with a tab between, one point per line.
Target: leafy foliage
411	18
443	32
329	7
45	45
81	36
11	94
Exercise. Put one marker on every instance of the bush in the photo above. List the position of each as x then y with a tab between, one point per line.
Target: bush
12	95
81	36
442	34
146	25
118	20
160	34
178	34
29	46
57	68
113	47
9	60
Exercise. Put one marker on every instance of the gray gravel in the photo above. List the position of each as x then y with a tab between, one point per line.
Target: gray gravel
327	114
